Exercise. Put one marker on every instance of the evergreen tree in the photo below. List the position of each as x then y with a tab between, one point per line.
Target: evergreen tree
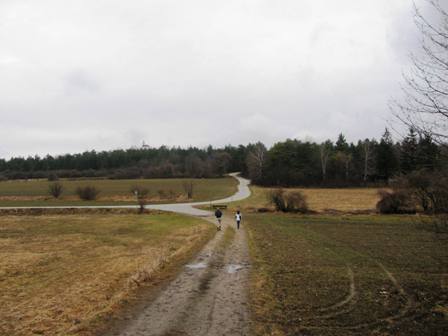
341	144
427	153
408	154
387	162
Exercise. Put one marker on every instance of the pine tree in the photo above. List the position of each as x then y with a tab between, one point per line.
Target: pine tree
409	148
427	153
341	144
387	162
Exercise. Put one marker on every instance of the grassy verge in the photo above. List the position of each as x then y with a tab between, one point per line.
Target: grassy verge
35	192
347	275
60	275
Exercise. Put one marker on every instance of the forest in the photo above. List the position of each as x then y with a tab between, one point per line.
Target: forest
288	163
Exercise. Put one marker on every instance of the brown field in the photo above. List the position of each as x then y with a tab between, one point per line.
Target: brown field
335	273
35	192
62	274
347	275
319	199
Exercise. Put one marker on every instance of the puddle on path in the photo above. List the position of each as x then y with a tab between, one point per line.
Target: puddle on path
233	268
199	265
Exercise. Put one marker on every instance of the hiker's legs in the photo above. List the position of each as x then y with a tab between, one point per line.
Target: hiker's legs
238	224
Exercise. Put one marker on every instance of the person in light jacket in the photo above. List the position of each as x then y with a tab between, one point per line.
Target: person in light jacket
238	218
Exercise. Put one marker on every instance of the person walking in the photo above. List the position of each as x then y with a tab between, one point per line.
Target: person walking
218	215
238	218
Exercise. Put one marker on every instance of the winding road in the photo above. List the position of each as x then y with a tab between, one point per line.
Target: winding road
189	208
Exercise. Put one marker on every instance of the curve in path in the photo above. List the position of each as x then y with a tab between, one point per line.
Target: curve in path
189	208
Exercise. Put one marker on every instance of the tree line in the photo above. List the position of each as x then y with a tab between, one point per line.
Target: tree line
162	162
287	163
367	162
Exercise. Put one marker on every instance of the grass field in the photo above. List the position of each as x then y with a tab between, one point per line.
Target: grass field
35	192
347	275
319	199
61	274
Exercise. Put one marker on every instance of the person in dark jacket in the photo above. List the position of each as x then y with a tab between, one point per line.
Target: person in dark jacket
218	215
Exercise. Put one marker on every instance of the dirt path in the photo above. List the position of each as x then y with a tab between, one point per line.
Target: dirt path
207	298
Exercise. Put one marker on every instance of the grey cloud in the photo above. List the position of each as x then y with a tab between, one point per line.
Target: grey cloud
107	74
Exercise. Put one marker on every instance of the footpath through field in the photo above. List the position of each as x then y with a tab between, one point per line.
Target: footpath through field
209	296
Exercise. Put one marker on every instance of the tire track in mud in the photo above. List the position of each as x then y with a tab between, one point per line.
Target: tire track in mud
339	307
351	300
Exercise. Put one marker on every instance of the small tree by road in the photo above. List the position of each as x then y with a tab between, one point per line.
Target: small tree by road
55	189
142	197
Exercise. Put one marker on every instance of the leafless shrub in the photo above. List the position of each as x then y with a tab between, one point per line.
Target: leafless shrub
429	190
55	189
296	202
277	198
395	202
87	193
292	201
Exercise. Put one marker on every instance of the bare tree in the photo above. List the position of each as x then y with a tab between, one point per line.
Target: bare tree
367	149
325	150
344	159
194	166
188	188
142	197
425	103
255	161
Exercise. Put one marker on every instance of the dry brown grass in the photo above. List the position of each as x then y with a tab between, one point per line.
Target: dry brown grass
341	199
60	274
319	199
35	192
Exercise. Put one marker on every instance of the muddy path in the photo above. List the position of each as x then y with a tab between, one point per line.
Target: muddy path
208	297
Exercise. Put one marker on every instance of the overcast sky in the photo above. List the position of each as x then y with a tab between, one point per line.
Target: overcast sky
77	75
